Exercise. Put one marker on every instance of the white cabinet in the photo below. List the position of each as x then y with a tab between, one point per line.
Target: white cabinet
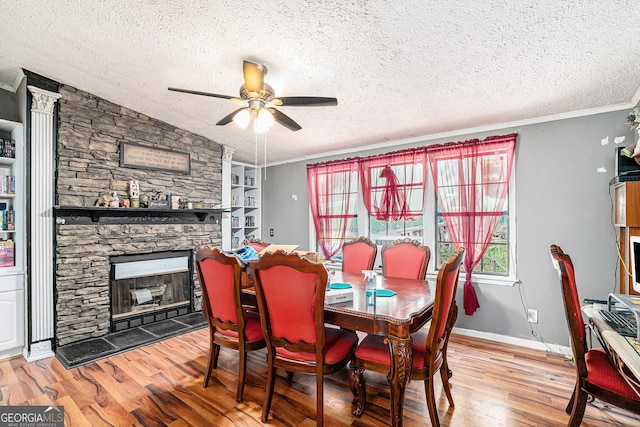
12	241
245	203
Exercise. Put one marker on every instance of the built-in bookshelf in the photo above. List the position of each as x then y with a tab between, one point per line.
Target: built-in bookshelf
11	197
12	237
245	203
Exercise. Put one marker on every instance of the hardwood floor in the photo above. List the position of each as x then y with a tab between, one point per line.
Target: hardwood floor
161	385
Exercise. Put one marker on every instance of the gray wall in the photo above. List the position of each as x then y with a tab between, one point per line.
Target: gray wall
8	106
559	199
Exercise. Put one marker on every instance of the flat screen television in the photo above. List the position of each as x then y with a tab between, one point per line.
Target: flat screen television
634	244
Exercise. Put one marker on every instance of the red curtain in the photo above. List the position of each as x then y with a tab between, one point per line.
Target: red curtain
333	192
471	179
393	184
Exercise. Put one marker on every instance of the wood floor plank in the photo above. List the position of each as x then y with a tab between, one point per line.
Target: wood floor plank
160	384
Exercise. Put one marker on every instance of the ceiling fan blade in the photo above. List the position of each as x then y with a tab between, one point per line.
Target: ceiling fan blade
284	120
253	76
229	117
308	101
214	95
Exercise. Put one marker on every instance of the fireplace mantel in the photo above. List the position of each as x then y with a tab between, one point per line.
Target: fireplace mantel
94	215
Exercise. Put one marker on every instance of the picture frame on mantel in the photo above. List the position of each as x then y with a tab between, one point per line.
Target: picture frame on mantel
152	158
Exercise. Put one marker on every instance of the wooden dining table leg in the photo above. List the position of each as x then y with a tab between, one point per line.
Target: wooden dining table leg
401	360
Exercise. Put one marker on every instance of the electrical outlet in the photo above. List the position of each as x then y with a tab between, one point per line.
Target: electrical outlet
532	315
271	232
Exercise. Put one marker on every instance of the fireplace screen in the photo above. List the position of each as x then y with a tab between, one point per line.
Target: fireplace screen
141	288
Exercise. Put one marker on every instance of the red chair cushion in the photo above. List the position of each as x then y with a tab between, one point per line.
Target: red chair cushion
373	348
603	374
356	257
291	308
404	261
252	329
338	344
218	280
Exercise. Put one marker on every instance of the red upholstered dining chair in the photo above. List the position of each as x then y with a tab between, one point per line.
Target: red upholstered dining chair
290	292
359	254
230	325
405	258
428	348
596	375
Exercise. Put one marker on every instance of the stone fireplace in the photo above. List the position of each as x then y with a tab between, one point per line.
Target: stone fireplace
89	239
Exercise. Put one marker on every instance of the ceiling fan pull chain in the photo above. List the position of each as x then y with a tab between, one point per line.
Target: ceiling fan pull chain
265	156
255	160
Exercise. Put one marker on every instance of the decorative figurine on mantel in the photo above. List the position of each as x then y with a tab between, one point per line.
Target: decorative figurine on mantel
105	200
134	193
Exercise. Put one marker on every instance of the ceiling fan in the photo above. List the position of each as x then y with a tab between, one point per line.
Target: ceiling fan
262	101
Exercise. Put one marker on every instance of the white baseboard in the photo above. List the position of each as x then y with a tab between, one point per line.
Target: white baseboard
535	345
39	350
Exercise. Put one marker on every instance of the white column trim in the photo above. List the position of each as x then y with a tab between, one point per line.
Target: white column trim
42	197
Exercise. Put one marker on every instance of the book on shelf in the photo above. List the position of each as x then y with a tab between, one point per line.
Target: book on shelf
7	148
7	220
7	184
7	253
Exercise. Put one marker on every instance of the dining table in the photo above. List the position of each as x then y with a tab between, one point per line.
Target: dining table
402	306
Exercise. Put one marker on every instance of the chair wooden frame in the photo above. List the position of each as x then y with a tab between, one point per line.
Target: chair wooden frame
584	387
407	242
436	341
291	364
219	339
360	242
255	243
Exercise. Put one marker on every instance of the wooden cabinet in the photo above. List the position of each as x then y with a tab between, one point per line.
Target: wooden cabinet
627	204
245	203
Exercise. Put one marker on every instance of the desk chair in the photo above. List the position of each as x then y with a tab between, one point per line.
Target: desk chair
428	348
230	325
359	254
290	292
405	258
596	375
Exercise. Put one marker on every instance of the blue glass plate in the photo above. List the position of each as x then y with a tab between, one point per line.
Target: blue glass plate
385	293
340	286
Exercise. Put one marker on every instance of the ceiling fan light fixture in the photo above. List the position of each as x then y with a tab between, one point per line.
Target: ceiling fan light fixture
242	118
264	120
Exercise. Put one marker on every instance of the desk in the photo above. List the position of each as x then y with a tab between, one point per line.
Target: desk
395	317
618	345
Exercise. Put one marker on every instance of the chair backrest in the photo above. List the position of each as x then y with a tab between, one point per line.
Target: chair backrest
290	293
405	258
564	266
255	243
220	279
446	285
359	254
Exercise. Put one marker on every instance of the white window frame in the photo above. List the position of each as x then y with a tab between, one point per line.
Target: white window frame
430	239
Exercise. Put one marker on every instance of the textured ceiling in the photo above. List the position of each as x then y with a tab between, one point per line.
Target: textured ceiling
400	69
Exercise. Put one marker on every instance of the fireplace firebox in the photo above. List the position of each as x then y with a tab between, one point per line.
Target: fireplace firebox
148	288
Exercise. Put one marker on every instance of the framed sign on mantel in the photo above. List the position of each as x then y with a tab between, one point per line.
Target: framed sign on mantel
144	157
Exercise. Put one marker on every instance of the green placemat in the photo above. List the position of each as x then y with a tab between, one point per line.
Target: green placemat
340	286
385	293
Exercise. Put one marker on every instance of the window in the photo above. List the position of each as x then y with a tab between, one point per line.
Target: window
333	197
393	194
475	205
495	260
